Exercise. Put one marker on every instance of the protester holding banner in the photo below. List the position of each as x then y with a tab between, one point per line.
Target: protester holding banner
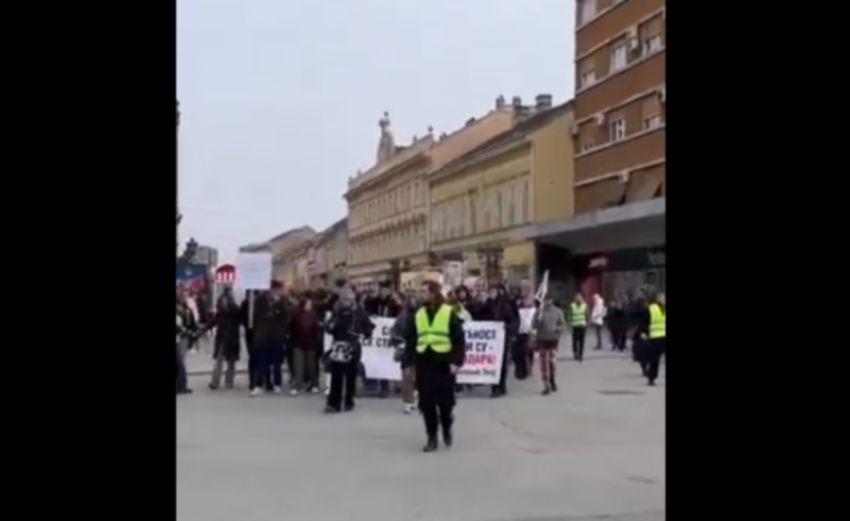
504	310
523	354
271	332
408	373
253	353
383	305
348	323
227	322
549	325
436	343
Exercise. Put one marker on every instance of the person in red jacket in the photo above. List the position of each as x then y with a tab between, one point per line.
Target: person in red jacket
305	338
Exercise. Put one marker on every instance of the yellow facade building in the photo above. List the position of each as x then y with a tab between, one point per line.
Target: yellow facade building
485	203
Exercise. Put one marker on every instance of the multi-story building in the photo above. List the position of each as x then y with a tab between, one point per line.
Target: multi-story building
484	204
289	256
388	204
616	240
328	255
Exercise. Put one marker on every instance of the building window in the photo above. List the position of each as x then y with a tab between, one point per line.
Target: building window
652	122
618	129
587	10
587	79
652	44
525	201
651	112
618	57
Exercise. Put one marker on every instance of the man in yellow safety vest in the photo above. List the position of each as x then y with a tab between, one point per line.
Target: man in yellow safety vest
435	343
578	324
656	343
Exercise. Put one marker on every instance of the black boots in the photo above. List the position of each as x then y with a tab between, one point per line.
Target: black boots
447	437
431	446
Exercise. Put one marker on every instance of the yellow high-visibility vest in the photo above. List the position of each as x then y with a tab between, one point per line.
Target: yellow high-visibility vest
436	333
657	322
578	314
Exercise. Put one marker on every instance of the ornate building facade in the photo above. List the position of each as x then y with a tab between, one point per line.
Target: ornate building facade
388	205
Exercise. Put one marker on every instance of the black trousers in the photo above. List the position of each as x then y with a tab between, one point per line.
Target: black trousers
521	359
578	342
502	387
654	349
343	384
181	369
618	338
436	385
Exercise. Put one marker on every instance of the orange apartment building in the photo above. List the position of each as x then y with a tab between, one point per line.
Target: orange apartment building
616	238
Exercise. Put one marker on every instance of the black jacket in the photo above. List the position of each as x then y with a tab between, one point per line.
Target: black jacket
348	323
456	356
271	321
228	320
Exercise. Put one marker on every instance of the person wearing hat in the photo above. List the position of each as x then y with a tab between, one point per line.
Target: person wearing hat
436	345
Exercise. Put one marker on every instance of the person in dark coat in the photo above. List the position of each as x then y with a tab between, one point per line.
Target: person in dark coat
382	305
227	322
503	309
435	369
306	337
639	318
617	324
347	325
271	333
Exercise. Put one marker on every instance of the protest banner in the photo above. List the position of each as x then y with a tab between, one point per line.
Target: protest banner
254	270
485	346
485	349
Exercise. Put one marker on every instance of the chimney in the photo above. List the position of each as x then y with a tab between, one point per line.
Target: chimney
544	102
500	102
516	102
470	121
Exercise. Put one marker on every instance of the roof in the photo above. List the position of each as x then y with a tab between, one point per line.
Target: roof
517	132
326	234
291	232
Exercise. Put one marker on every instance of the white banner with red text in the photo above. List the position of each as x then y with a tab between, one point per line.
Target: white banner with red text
485	349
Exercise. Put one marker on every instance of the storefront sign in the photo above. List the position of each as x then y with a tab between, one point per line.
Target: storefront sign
629	260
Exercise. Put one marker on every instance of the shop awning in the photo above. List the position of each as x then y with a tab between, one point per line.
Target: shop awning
633	225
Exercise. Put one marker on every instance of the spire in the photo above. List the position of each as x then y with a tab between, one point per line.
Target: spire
386	144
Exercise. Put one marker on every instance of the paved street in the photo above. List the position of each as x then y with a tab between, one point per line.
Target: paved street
593	451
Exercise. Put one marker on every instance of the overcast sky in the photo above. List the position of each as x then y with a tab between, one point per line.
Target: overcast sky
280	99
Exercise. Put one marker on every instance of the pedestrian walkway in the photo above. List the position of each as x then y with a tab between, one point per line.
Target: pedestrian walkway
594	450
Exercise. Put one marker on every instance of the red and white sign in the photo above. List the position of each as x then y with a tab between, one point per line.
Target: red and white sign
225	274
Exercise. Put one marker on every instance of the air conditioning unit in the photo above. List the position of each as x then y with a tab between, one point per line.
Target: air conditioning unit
623	176
600	119
574	130
632	33
662	94
634	45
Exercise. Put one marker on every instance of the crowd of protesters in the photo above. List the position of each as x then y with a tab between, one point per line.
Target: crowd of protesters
283	327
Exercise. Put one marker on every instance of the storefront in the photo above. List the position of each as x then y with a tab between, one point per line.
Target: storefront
621	272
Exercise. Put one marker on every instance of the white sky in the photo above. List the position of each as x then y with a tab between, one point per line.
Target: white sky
280	100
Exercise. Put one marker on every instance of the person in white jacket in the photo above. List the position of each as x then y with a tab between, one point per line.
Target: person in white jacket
597	318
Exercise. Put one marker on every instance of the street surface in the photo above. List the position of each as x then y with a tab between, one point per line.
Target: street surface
593	451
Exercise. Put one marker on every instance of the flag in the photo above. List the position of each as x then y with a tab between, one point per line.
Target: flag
543	288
